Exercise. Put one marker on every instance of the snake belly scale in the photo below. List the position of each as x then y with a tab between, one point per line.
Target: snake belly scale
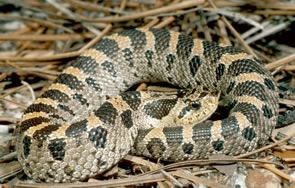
72	132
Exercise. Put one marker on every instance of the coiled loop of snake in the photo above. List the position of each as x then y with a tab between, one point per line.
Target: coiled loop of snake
71	132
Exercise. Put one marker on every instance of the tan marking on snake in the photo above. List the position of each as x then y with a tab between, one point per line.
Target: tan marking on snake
61	87
45	101
227	59
33	129
216	131
249	76
60	132
34	115
97	55
76	72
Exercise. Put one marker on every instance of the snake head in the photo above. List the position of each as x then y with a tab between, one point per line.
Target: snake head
196	105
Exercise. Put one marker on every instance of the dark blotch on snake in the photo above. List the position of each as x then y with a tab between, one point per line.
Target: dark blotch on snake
44	133
267	112
137	37
218	145
170	59
93	84
184	46
250	88
242	66
162	39
188	148
220	69
56	95
107	113
40	107
194	65
81	99
132	98
202	132
156	147
249	133
173	135
109	67
149	56
128	56
86	64
57	148
230	87
66	109
159	108
98	136
76	129
108	46
71	81
127	118
27	143
269	83
229	126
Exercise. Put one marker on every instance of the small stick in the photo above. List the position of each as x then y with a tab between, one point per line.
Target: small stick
234	32
197	180
170	8
223	32
280	62
152	23
47	37
94	7
268	31
40	21
43	58
278	172
165	22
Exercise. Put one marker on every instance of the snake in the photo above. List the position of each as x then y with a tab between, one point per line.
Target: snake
85	122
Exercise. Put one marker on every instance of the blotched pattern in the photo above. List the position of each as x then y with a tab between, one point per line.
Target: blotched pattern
75	130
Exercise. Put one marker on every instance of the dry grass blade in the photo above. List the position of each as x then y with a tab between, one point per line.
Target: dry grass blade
175	7
280	62
47	37
45	58
197	180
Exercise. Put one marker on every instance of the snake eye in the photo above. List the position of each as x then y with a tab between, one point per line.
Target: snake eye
196	105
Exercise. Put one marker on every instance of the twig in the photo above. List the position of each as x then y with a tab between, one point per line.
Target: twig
280	62
171	178
268	31
253	30
165	22
234	32
170	8
47	37
237	16
14	102
30	89
278	172
197	180
179	13
43	58
95	7
40	21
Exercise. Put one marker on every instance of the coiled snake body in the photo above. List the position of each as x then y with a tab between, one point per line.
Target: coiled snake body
72	133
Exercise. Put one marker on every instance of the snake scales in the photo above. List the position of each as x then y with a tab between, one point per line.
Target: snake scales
71	132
